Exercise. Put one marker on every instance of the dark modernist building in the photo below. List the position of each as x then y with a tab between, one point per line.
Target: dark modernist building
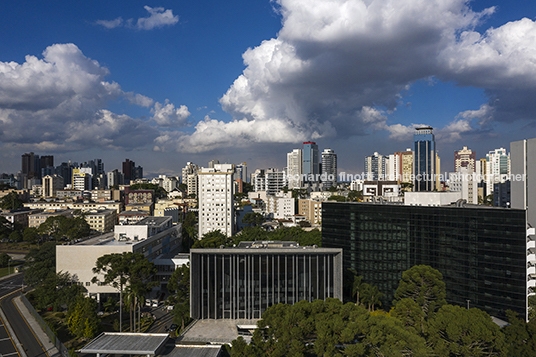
481	251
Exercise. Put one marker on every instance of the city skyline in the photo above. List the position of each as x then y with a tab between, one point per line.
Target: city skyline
167	83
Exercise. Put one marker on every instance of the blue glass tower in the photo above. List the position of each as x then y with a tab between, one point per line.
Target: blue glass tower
424	159
311	164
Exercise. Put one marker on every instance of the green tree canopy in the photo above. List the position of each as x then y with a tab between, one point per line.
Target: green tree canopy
11	201
40	262
456	331
424	285
254	219
212	239
82	319
30	235
59	227
159	191
4	259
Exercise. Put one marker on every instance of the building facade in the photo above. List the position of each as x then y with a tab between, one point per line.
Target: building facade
464	158
295	168
329	169
311	163
481	251
424	159
242	282
215	199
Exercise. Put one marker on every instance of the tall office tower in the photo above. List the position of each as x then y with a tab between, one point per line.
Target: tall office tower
31	165
295	168
46	164
114	178
128	170
215	200
424	159
189	177
212	163
376	167
497	168
329	168
464	158
311	164
138	172
51	185
241	172
65	170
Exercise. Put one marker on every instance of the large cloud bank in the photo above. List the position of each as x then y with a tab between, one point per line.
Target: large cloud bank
56	103
339	67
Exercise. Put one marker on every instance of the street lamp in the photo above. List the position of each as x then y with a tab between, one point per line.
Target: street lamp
468	301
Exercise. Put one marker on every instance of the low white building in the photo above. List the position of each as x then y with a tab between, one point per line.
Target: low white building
154	237
431	198
281	207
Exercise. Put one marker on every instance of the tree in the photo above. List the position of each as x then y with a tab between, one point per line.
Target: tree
337	198
424	285
15	236
40	262
411	315
355	196
60	226
118	270
253	219
298	193
30	235
456	331
532	307
521	336
4	259
213	239
5	227
82	320
11	201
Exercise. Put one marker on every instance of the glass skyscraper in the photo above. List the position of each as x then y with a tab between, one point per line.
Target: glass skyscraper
424	159
311	164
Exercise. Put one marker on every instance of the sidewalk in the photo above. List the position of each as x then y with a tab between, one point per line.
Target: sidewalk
50	349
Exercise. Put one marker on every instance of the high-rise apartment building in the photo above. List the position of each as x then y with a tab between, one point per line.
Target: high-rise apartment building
401	166
215	199
82	179
241	172
30	168
497	168
376	167
51	185
189	177
128	171
329	169
311	163
212	163
295	168
424	159
464	158
114	178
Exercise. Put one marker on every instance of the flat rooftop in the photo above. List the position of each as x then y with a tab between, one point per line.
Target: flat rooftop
265	247
126	343
152	221
214	331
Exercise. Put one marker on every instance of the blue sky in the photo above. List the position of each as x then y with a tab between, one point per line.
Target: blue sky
167	82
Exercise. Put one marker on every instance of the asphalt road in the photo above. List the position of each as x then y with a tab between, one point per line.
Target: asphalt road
10	288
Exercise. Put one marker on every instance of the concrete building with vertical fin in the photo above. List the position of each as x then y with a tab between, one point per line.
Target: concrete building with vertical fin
242	282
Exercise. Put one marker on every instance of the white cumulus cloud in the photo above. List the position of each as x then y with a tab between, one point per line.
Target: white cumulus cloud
158	17
167	115
339	67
